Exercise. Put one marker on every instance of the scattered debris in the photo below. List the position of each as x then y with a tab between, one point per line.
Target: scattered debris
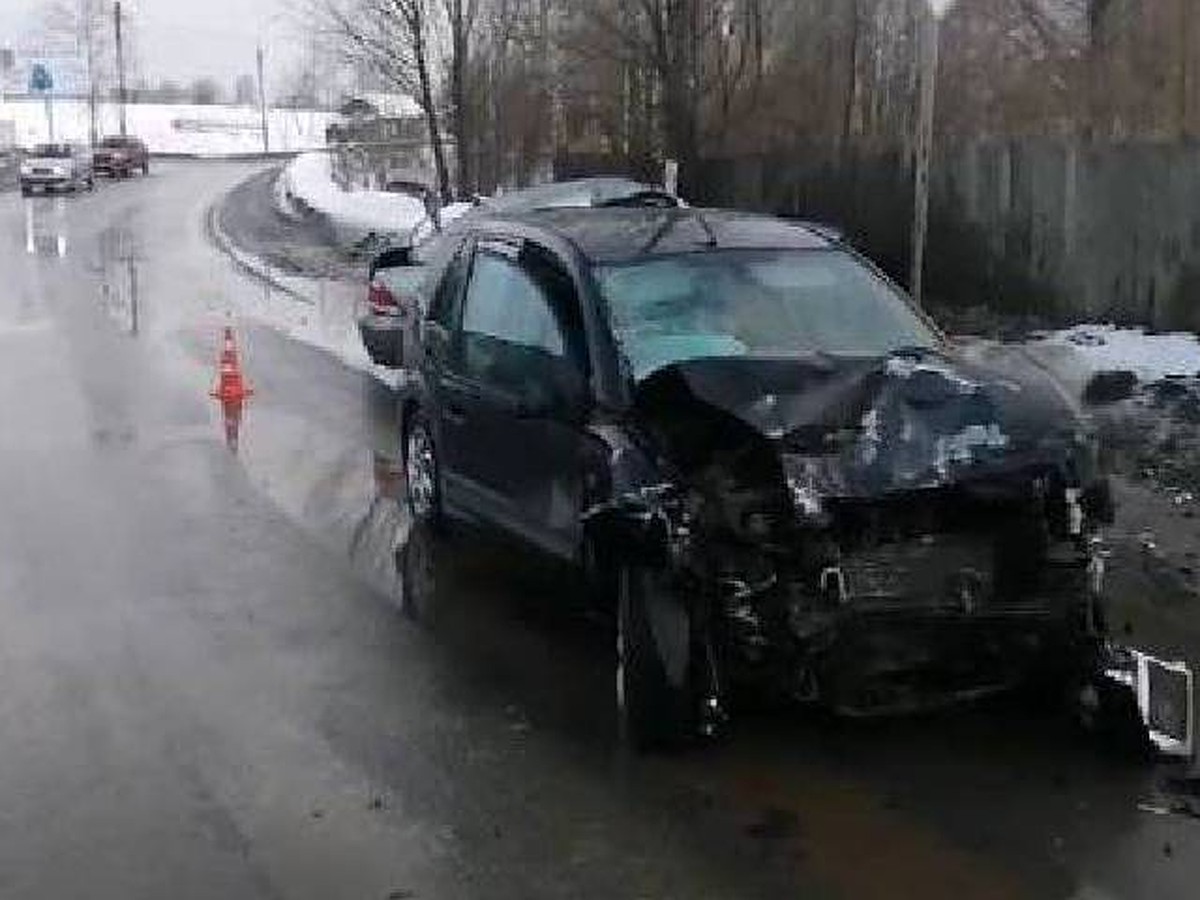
775	824
1154	434
1109	387
1155	809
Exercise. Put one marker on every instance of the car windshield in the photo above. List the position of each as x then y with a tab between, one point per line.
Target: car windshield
116	142
51	151
755	303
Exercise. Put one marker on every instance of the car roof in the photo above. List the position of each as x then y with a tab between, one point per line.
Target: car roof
622	234
578	193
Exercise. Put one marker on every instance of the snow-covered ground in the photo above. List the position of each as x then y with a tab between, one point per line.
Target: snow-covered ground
357	215
173	128
1151	357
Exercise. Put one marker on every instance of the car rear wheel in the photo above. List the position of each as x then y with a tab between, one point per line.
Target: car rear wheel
421	471
656	686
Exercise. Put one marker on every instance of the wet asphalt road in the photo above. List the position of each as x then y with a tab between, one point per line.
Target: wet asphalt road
205	690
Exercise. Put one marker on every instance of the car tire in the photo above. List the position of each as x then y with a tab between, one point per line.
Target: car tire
146	167
26	190
91	183
417	574
655	683
422	473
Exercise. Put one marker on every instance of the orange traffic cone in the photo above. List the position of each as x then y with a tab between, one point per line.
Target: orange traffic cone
231	387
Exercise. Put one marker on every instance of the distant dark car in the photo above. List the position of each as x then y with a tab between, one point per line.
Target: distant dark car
120	156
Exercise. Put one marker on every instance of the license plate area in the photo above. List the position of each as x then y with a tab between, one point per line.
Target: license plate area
936	570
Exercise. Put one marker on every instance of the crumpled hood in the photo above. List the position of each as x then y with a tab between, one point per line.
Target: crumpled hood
903	422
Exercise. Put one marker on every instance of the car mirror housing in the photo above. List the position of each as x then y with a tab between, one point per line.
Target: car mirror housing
393	258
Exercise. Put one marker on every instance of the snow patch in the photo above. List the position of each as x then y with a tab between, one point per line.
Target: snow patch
319	312
174	127
1098	348
356	216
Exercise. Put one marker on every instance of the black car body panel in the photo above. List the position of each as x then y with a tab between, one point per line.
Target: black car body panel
883	533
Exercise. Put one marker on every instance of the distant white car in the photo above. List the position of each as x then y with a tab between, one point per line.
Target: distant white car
50	167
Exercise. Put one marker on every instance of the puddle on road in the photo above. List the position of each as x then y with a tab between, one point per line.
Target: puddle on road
118	255
46	227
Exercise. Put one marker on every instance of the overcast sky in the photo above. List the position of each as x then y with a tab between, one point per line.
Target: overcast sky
187	39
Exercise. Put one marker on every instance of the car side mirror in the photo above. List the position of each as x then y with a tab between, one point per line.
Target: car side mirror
395	258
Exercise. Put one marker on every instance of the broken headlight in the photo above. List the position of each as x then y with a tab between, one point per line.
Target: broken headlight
811	480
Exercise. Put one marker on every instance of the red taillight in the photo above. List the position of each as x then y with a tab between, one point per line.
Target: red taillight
381	301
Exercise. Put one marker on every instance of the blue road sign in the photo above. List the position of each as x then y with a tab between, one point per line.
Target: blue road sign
40	80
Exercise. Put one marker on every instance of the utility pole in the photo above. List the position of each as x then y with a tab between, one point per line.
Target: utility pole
1185	69
120	64
262	101
90	25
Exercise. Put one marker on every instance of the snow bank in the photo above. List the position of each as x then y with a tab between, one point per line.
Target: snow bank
356	216
1096	348
173	127
319	312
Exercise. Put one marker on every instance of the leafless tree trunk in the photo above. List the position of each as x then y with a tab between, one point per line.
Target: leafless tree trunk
392	37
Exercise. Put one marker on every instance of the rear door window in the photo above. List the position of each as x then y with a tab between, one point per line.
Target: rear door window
506	304
520	321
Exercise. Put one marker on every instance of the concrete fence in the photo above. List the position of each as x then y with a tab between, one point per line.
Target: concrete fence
1058	229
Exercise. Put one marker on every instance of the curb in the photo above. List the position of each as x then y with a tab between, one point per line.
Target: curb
227	157
247	262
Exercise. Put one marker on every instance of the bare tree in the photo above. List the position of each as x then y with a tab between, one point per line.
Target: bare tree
460	16
507	92
395	38
706	59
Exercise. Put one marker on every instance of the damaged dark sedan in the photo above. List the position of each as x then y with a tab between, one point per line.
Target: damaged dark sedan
771	465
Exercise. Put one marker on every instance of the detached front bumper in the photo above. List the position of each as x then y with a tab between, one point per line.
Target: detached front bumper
906	628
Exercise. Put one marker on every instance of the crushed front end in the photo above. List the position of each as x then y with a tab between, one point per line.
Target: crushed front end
879	537
921	598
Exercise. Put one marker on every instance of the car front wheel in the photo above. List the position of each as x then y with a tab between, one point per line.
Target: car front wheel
416	564
421	471
657	700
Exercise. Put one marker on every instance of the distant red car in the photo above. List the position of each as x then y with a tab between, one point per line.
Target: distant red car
121	156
